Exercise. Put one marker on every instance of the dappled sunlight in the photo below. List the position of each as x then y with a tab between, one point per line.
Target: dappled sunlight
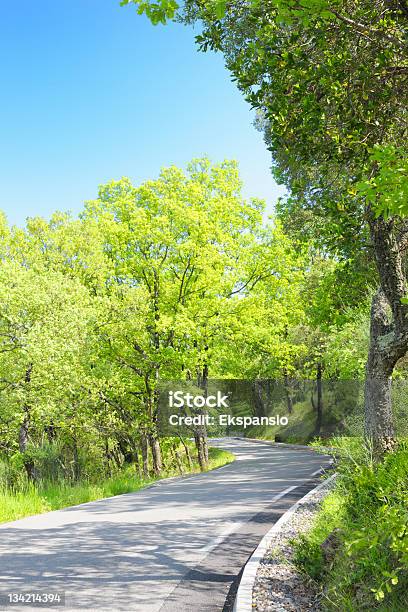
140	546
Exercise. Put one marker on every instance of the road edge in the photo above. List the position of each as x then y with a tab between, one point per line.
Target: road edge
323	450
243	599
150	485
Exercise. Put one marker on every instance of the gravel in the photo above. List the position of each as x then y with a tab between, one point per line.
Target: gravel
279	586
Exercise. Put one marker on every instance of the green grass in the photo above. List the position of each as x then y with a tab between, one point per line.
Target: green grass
299	429
54	496
217	458
366	517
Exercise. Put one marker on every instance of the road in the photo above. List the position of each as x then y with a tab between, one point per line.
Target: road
176	546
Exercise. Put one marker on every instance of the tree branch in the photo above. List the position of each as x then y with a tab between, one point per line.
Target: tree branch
364	29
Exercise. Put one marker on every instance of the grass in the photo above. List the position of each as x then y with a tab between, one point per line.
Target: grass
357	549
44	497
299	429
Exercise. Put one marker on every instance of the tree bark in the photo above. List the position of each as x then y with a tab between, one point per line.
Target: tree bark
76	465
258	399
176	456
23	443
388	334
379	423
145	455
23	434
187	451
288	391
319	405
156	454
200	451
205	447
137	463
200	435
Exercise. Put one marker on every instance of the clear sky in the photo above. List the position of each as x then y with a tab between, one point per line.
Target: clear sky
91	92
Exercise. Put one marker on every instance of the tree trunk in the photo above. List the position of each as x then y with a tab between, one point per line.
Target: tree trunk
200	436
379	422
258	400
176	456
108	457
156	454
23	434
288	391
319	405
51	432
145	455
187	451
205	447
388	330
137	463
77	467
23	443
200	451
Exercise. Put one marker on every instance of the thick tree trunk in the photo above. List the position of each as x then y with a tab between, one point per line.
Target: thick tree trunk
379	422
388	330
379	425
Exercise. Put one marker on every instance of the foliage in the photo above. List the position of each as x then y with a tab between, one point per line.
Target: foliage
176	279
366	518
387	189
36	499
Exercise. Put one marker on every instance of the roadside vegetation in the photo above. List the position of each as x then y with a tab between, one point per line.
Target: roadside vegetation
178	281
329	82
20	497
357	549
181	279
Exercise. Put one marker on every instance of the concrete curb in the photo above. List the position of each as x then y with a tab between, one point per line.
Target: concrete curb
243	600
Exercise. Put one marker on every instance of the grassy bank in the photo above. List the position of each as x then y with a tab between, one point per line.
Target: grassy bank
43	497
357	550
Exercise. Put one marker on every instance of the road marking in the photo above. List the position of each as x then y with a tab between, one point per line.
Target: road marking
222	467
235	526
224	534
319	471
285	492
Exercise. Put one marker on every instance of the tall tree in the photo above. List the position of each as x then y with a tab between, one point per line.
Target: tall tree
178	246
330	80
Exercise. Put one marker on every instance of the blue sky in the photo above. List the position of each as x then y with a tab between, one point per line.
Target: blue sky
92	92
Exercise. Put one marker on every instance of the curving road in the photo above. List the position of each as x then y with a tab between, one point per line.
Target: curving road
176	546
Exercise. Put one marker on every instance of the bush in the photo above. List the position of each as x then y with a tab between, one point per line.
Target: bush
11	475
52	494
369	511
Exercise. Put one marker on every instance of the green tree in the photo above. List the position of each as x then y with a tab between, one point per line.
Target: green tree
330	81
178	246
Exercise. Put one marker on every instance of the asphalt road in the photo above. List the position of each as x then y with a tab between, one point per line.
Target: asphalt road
176	546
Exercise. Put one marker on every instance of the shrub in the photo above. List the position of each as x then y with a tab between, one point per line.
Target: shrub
369	510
